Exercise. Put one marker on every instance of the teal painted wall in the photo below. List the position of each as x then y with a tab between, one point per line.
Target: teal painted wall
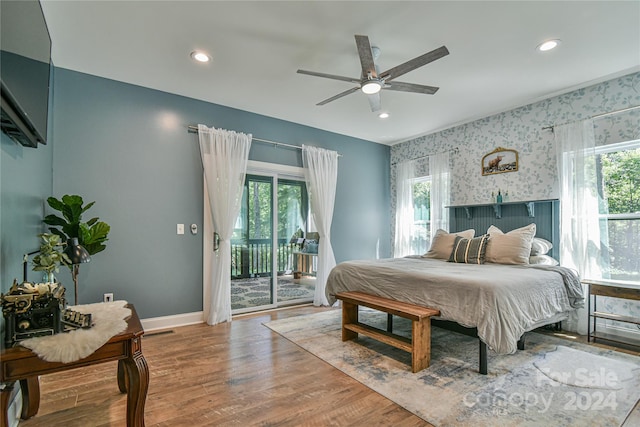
25	182
127	148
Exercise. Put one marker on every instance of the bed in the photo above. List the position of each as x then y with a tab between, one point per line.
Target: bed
500	302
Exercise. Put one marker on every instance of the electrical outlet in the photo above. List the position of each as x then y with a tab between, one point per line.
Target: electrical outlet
107	297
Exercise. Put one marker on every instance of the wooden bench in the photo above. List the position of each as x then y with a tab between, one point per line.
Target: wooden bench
420	343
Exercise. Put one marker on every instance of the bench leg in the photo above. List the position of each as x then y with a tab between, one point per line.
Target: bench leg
421	344
349	316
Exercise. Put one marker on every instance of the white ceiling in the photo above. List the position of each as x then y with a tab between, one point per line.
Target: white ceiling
258	46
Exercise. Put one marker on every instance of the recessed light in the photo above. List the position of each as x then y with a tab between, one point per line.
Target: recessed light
383	115
548	45
200	56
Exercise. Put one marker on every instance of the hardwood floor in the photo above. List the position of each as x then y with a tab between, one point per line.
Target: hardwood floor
237	374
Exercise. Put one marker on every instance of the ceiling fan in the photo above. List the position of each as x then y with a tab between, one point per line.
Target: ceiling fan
372	81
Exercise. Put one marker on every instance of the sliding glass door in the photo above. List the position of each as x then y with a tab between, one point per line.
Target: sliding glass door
274	212
251	268
295	283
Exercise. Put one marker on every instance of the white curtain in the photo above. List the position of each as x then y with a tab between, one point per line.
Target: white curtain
321	174
405	173
440	189
583	232
224	159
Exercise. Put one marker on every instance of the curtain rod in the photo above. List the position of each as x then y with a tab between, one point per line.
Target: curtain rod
598	116
194	129
454	150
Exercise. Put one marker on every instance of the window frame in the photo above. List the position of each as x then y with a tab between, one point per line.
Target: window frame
412	182
598	152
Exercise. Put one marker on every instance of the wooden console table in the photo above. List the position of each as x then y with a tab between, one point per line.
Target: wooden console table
610	289
21	364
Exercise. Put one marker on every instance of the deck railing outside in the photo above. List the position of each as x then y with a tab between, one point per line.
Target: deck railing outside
253	259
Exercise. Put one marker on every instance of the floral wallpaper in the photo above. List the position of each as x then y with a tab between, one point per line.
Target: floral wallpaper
525	130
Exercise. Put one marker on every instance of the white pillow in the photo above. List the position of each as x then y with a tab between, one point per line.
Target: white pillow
540	246
513	247
442	243
542	259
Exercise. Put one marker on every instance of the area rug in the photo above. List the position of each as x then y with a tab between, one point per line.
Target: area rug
552	382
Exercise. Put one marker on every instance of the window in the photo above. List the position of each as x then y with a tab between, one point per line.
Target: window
421	226
619	178
422	194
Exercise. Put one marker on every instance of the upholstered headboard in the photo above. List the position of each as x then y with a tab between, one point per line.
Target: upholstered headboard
508	216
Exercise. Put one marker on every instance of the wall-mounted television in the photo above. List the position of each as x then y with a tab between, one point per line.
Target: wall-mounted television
25	58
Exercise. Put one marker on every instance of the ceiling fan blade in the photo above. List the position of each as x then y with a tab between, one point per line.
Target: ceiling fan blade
414	63
366	57
340	95
329	76
374	102
411	87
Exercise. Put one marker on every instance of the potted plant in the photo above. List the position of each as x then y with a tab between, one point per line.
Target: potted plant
92	234
51	256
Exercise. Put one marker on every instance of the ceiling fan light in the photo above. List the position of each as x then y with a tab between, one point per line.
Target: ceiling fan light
371	87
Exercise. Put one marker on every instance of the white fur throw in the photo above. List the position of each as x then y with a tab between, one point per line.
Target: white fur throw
108	319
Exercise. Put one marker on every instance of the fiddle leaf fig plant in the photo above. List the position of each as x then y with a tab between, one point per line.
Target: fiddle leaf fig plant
51	255
91	234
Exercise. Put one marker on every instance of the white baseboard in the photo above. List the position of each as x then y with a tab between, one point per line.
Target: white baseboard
175	320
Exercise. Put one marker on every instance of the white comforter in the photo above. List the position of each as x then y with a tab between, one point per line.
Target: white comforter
502	301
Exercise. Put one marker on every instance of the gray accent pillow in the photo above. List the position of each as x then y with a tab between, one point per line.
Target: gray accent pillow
513	247
442	243
469	251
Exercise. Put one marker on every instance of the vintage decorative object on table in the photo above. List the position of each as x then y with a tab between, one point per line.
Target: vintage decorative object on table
38	309
32	310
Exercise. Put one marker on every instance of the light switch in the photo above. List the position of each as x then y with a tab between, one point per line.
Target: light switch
180	229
